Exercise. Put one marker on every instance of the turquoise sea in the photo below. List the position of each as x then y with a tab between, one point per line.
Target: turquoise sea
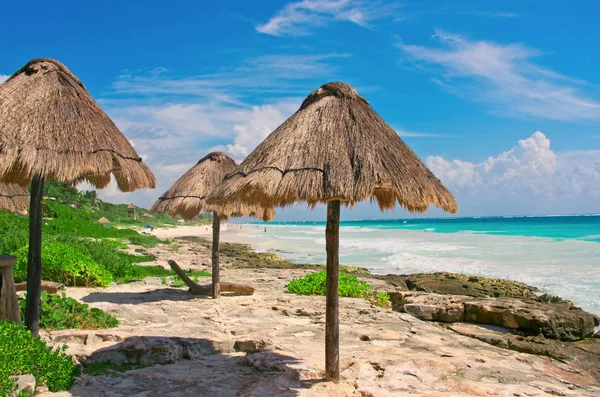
558	254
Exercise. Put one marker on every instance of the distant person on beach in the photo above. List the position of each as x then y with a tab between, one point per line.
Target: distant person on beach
265	229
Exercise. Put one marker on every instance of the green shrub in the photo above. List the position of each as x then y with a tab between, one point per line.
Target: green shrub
145	241
61	312
118	263
64	264
22	353
383	299
315	284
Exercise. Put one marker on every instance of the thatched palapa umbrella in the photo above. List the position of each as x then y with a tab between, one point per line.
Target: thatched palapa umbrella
187	197
334	149
51	128
13	198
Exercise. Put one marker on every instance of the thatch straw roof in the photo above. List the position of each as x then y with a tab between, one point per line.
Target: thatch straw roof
50	126
187	196
13	198
335	147
131	206
103	220
147	215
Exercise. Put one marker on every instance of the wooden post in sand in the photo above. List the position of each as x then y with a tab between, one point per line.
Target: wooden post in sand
216	287
9	305
332	328
34	260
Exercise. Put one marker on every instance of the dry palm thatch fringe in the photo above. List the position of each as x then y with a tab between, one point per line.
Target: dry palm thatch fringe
13	198
187	196
335	147
51	127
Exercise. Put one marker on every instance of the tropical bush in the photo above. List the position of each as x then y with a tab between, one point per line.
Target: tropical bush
61	312
64	264
315	284
22	353
145	241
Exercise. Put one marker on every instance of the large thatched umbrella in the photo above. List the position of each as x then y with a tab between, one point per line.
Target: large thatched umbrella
13	198
334	149
51	128
187	197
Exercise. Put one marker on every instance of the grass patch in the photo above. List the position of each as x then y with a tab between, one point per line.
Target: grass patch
108	368
315	284
61	312
145	241
22	353
64	264
382	299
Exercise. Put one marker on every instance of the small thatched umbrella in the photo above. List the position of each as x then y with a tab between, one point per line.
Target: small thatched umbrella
51	128
334	149
13	198
103	221
187	197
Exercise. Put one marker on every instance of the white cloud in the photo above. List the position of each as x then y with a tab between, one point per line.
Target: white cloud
528	178
298	18
262	121
275	73
3	77
504	77
412	134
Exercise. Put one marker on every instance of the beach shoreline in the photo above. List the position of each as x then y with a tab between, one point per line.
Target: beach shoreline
271	343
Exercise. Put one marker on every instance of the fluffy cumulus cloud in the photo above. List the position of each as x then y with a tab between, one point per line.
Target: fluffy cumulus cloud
504	76
261	122
300	17
528	178
3	77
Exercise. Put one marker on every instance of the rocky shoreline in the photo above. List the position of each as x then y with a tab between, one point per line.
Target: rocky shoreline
448	334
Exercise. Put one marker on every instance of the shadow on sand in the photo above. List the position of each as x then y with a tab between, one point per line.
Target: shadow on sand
189	367
135	298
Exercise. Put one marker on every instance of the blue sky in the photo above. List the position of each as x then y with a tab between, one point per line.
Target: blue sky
499	98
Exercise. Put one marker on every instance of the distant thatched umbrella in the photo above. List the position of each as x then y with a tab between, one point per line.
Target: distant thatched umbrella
187	197
103	221
334	149
13	198
51	128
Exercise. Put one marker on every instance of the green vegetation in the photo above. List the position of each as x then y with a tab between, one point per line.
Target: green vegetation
383	299
145	241
64	264
61	312
22	353
314	284
77	250
108	368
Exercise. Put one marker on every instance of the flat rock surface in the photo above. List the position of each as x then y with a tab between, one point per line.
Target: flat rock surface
191	343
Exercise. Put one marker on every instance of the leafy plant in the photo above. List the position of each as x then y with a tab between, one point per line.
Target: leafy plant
64	264
22	353
315	284
61	312
145	241
382	299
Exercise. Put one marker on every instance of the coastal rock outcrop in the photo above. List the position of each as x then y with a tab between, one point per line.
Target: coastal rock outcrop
561	321
553	320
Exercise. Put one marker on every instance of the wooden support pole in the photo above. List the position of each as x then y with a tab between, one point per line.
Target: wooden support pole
332	328
216	286
34	260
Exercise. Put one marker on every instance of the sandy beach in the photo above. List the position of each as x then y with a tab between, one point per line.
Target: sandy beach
271	343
